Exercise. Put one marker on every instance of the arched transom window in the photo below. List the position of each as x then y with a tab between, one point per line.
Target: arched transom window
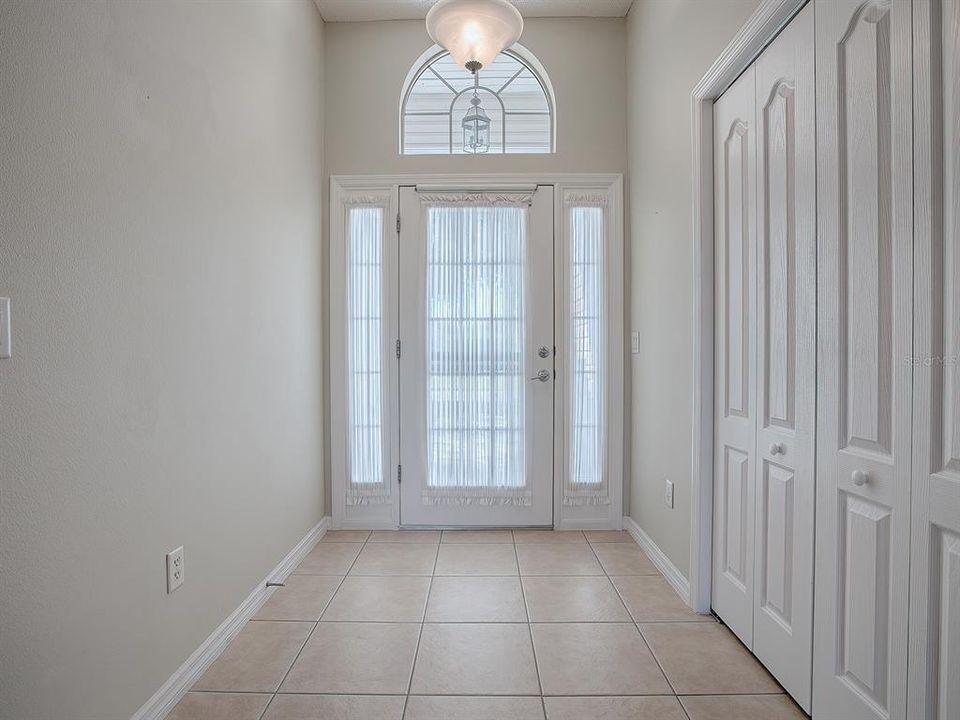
514	94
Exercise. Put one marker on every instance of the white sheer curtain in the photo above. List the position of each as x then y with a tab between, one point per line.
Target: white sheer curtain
475	307
366	478
586	481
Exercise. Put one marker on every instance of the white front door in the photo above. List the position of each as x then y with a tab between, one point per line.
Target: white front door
477	358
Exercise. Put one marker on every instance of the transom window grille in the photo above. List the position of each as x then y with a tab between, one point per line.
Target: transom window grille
515	96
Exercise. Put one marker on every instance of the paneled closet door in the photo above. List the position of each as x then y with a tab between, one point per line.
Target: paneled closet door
735	419
865	299
934	690
786	357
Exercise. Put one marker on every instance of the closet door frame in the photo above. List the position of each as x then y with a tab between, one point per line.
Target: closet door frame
759	30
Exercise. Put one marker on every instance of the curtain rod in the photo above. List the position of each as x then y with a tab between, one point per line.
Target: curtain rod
476	189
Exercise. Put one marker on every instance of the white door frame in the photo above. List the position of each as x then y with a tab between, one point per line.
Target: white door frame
565	185
758	31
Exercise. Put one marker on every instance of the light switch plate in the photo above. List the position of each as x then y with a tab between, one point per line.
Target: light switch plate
635	342
5	349
668	495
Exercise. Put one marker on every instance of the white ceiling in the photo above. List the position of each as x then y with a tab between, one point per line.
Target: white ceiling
359	10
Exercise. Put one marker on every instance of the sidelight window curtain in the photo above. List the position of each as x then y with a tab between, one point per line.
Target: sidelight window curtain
367	479
476	286
586	477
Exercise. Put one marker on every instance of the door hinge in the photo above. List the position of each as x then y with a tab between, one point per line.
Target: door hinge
398	348
398	222
399	474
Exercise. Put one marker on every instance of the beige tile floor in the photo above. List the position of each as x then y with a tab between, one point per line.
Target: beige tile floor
482	625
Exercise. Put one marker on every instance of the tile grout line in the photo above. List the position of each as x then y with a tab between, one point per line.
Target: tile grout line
315	625
629	621
526	611
497	695
423	619
528	622
636	625
674	622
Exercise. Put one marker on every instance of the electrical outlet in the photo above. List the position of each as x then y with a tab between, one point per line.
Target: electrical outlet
5	349
174	569
668	495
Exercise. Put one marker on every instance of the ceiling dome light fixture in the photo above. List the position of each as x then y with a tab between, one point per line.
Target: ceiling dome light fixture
474	32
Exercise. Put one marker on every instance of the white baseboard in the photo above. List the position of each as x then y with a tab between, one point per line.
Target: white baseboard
586	525
658	558
162	702
364	525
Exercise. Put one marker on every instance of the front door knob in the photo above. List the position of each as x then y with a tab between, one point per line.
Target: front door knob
542	376
860	477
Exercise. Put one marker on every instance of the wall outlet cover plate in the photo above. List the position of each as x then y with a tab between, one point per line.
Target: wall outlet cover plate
174	569
5	349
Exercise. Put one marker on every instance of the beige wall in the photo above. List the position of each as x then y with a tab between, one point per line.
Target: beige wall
366	64
160	229
671	43
160	225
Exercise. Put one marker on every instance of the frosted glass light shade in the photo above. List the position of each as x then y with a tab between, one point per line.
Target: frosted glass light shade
474	31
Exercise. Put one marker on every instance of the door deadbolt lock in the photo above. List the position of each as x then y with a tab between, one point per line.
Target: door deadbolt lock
544	351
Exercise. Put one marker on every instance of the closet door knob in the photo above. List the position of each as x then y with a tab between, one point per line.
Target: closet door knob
778	449
860	477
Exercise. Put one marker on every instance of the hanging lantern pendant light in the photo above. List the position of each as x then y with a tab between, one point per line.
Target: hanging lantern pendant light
474	32
476	124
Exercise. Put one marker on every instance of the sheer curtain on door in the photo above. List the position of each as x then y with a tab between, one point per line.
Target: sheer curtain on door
586	479
367	479
476	295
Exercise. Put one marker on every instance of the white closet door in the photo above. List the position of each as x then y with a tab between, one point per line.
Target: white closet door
735	419
786	357
865	278
934	683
